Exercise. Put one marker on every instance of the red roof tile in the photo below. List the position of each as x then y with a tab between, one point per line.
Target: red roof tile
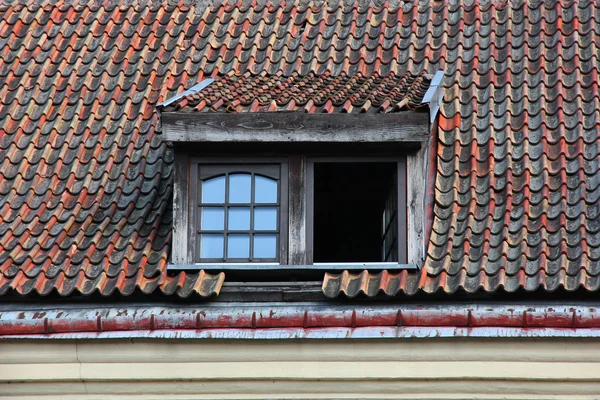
309	93
85	179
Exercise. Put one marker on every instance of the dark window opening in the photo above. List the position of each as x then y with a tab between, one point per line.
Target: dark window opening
355	212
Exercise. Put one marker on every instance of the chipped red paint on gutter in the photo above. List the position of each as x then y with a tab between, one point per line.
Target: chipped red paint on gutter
325	333
279	322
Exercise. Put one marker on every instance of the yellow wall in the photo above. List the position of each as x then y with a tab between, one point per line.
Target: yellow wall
416	368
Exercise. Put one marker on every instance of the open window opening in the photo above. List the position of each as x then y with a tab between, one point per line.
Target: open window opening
356	212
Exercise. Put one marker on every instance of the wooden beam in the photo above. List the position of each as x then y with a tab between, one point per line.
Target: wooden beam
415	199
297	248
181	194
277	127
402	210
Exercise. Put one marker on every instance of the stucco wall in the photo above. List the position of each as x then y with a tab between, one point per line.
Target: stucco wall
419	368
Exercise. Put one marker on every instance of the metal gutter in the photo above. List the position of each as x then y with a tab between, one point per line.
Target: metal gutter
324	334
310	321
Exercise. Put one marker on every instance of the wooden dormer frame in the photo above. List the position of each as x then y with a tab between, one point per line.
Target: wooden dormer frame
408	130
295	127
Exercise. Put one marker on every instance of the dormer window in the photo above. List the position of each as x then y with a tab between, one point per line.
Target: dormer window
333	186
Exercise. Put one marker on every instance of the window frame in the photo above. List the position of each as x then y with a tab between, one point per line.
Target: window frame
296	211
413	134
226	162
185	248
224	168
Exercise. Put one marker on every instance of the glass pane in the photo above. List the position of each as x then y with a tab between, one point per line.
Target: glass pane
265	246
265	218
213	190
265	190
239	188
239	219
211	246
213	218
238	246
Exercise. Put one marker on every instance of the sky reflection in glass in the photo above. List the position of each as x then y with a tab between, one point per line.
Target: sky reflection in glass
239	219
211	245
239	188
265	218
213	190
238	246
265	190
265	246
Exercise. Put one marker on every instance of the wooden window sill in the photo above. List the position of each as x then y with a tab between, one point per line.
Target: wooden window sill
279	267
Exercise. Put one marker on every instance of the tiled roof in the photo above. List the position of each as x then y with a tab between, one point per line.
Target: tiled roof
309	93
85	181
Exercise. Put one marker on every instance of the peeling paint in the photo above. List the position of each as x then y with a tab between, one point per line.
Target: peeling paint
313	321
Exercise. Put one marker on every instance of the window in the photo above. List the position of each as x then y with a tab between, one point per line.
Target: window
295	210
239	212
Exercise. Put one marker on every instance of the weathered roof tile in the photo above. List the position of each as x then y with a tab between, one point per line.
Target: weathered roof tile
517	189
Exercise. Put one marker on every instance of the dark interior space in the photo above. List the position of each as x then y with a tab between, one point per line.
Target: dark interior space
349	199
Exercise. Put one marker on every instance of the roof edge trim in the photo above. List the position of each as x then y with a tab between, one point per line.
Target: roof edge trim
284	127
323	333
308	320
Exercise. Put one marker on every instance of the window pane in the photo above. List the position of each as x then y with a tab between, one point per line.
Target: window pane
265	190
211	246
213	218
265	218
238	246
239	188
213	190
265	246
239	218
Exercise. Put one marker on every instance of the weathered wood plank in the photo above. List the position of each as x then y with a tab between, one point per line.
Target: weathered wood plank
297	250
276	127
416	203
402	208
193	185
179	254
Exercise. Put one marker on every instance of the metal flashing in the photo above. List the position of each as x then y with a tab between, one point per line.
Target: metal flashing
434	95
194	89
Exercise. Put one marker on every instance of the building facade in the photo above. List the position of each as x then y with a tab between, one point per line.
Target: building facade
299	200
